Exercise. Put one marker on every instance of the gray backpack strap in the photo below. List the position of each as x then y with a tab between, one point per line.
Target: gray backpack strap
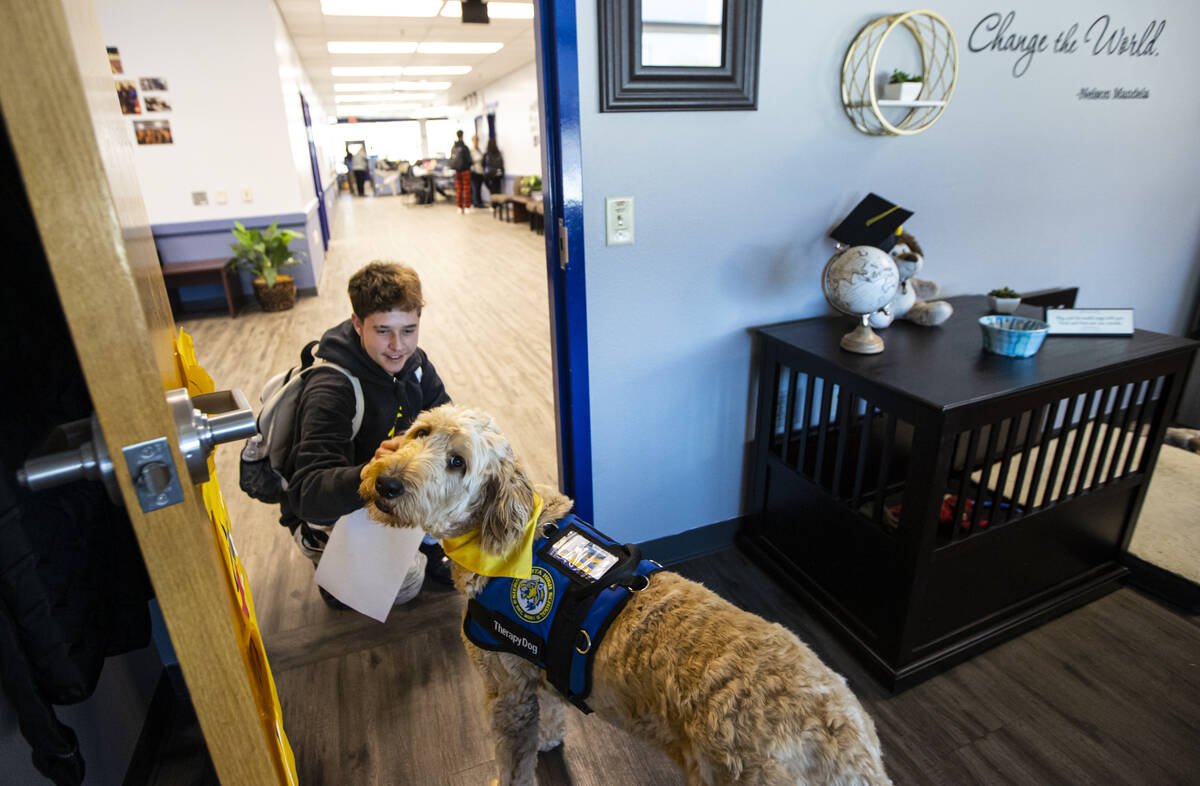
359	407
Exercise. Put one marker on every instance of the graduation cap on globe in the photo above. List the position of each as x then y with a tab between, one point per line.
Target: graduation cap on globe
873	222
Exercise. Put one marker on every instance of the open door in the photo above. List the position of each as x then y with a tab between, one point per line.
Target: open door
73	150
558	94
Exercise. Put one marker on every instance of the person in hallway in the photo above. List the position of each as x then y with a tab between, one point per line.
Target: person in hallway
476	173
358	165
378	345
460	162
493	168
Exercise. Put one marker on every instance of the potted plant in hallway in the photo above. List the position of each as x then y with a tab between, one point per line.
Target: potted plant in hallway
530	184
265	253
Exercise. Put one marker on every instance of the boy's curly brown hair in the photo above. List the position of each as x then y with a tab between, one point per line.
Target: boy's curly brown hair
385	286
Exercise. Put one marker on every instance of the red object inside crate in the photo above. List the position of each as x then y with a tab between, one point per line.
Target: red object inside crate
946	515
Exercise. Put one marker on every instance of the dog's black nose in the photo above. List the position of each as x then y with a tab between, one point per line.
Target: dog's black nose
388	487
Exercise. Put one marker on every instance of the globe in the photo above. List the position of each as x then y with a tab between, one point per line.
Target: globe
860	280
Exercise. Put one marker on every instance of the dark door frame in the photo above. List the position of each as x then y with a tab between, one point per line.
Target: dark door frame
318	186
558	93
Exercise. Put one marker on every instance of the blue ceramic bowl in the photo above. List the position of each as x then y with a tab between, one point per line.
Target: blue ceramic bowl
1014	337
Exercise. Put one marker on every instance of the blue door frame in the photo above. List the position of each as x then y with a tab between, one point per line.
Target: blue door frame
562	188
316	172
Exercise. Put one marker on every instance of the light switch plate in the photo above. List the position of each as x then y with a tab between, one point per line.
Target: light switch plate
221	196
619	220
247	194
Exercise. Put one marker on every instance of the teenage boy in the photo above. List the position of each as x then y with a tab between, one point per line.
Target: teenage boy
378	345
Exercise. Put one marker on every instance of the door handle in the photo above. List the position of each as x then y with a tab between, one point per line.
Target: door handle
202	423
206	421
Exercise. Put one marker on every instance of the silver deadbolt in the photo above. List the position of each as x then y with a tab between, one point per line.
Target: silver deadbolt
203	422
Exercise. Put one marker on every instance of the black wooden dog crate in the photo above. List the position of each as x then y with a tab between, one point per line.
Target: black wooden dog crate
934	500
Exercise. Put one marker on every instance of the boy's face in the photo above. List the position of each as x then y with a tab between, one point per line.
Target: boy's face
388	337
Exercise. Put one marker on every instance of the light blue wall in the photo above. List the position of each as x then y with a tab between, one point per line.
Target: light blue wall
1019	183
191	240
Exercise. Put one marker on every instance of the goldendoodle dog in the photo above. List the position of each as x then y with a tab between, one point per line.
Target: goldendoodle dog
729	696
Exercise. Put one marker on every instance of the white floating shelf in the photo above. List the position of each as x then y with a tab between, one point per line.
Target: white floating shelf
885	102
882	102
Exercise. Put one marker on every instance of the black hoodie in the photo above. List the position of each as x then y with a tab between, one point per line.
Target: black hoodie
324	464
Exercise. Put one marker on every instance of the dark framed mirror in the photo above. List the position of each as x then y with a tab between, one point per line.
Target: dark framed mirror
663	55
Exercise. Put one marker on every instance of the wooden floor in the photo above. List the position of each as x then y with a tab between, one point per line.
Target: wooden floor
1107	694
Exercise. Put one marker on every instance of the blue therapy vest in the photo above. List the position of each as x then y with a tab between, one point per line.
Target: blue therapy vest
556	618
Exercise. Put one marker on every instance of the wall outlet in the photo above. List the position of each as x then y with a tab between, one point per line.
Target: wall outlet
221	196
199	198
247	194
619	214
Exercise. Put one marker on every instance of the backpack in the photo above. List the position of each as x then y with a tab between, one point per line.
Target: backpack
460	157
493	164
263	456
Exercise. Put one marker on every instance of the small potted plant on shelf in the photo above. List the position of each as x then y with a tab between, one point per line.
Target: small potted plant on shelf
265	253
902	86
1004	300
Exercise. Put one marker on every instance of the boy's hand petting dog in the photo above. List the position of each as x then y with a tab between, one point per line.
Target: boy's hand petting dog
387	447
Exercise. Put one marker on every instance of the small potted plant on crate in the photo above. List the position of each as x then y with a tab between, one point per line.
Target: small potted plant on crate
265	254
903	87
1004	300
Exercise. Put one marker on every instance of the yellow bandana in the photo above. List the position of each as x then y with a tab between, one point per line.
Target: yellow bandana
517	564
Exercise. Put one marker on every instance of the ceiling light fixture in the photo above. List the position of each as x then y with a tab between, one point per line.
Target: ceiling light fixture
414	8
358	87
384	97
459	47
372	47
367	70
371	109
495	9
436	70
421	85
399	70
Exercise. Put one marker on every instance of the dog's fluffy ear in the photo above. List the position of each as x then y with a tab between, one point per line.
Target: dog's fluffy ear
505	506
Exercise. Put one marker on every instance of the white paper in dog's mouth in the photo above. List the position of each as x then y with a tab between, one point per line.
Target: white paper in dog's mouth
365	563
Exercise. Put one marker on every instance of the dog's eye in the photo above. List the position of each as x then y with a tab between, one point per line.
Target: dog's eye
420	433
455	462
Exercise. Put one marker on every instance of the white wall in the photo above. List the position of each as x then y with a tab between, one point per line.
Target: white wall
516	98
1020	183
228	118
293	81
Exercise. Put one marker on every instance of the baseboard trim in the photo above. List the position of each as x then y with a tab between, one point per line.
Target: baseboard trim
1162	583
698	542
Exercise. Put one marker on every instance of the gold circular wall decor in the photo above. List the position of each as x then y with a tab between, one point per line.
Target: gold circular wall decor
939	63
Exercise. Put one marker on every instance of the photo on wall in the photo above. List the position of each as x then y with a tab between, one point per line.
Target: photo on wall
157	104
127	94
153	83
114	60
153	132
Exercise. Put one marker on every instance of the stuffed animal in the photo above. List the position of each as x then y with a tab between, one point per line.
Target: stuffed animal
911	300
